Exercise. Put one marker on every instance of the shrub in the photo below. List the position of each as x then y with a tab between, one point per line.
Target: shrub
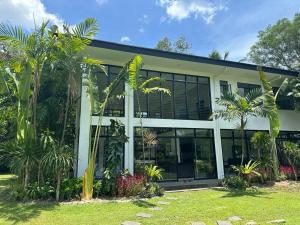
151	190
235	183
71	188
287	171
130	185
97	188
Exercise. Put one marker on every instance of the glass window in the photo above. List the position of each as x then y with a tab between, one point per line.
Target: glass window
204	98
245	88
180	100
224	86
283	101
192	100
167	101
205	160
115	107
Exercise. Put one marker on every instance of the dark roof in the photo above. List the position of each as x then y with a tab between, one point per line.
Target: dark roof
187	57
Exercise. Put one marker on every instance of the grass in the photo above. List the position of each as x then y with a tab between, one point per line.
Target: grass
205	205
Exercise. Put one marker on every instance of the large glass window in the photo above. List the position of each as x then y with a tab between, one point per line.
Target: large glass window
224	86
245	88
115	107
190	98
103	151
181	153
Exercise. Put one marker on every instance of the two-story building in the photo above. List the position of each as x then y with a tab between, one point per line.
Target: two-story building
190	146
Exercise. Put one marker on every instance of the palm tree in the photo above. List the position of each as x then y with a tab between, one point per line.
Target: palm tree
217	55
237	107
141	86
57	160
72	41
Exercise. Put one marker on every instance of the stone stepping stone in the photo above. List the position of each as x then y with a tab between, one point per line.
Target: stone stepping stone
198	223
234	218
277	221
251	223
171	198
163	203
155	209
220	222
144	215
130	223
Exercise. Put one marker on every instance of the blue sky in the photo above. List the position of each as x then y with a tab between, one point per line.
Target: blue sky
225	25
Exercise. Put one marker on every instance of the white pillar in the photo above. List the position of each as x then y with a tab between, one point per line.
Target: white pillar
129	115
84	132
215	92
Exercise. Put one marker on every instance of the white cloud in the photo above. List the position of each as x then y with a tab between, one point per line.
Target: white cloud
101	2
144	19
183	9
141	30
124	39
25	12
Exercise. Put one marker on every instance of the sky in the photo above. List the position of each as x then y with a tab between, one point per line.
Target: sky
223	25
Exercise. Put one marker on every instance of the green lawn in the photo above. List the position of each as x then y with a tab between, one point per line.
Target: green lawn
205	205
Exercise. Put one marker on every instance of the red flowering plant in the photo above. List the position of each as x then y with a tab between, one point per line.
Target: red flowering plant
287	170
130	185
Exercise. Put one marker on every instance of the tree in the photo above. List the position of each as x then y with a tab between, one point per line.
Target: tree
179	46
217	55
278	45
292	152
237	107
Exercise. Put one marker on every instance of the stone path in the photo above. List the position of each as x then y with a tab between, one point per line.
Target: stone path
234	218
155	209
220	222
171	198
144	215
251	223
163	203
277	221
130	223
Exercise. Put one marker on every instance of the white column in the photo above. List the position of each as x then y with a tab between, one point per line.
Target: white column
84	132
215	92
129	114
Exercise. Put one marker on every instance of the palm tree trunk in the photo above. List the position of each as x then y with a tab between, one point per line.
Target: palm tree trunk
66	115
293	167
274	158
58	185
142	128
243	124
26	179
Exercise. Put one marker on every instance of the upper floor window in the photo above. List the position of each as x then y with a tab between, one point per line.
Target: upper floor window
190	98
115	107
283	101
224	86
245	88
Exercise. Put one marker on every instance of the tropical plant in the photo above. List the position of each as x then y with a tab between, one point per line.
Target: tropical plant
57	160
270	111
113	156
247	170
237	107
292	152
153	173
141	86
217	55
262	143
98	107
235	183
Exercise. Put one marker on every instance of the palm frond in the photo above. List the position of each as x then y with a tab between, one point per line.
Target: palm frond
86	29
13	33
156	89
148	81
133	73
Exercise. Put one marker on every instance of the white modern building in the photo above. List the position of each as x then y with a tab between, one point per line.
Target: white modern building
190	145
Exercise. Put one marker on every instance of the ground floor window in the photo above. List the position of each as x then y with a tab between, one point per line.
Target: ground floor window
181	153
103	152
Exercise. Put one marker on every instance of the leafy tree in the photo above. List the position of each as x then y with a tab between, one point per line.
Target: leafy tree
217	55
180	45
237	107
262	143
292	152
278	45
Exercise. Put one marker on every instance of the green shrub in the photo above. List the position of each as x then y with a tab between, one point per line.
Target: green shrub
235	182
71	188
151	190
97	188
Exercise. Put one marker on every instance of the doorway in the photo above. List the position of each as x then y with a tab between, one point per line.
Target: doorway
186	149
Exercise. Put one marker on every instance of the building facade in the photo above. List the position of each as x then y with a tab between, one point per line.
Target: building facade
190	144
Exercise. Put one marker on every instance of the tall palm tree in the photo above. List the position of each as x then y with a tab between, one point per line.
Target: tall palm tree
142	86
237	107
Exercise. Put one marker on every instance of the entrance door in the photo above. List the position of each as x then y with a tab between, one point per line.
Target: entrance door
185	151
